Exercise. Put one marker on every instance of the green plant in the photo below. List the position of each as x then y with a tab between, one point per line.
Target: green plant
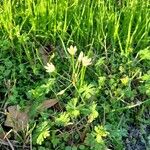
101	86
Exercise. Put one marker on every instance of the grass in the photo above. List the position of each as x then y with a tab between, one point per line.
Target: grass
115	37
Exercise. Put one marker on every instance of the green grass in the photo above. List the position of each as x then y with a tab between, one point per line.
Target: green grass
101	100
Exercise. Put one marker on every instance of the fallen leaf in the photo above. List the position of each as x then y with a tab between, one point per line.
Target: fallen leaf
16	119
48	103
45	52
43	55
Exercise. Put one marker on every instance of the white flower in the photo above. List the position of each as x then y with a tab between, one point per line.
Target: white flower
80	56
72	50
86	61
50	67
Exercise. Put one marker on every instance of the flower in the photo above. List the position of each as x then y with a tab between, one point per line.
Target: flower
80	56
72	50
86	61
50	67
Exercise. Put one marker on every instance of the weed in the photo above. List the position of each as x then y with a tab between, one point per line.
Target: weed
91	57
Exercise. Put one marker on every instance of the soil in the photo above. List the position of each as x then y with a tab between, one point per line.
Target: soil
137	139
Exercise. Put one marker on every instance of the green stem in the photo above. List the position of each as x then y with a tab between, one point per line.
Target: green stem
73	67
82	75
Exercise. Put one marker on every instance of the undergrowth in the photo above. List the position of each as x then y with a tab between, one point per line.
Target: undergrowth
90	59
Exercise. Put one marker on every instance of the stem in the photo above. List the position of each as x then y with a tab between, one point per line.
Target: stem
72	60
82	75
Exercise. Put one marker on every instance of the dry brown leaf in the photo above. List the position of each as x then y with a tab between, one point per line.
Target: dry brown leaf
43	55
48	103
16	119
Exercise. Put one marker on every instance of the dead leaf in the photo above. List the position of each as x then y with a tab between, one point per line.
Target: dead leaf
16	119
43	55
48	103
45	52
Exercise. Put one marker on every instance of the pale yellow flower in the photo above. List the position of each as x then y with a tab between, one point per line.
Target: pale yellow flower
72	50
50	67
86	61
80	56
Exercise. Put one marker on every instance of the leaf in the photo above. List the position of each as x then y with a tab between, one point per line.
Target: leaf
48	103
39	107
93	113
145	53
101	131
63	119
125	80
16	119
146	77
42	132
40	91
44	55
87	90
72	109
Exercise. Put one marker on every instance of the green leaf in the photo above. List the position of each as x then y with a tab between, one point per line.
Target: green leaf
146	77
100	131
87	91
145	53
41	90
101	81
72	109
68	148
82	147
74	148
42	132
63	119
93	114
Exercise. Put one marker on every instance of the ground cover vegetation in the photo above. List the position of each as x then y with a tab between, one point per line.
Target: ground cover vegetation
74	74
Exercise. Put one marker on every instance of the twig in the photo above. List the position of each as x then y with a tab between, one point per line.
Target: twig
10	143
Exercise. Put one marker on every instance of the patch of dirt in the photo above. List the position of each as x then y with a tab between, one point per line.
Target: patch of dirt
138	139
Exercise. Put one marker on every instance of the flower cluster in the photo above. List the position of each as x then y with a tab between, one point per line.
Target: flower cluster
84	59
72	50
